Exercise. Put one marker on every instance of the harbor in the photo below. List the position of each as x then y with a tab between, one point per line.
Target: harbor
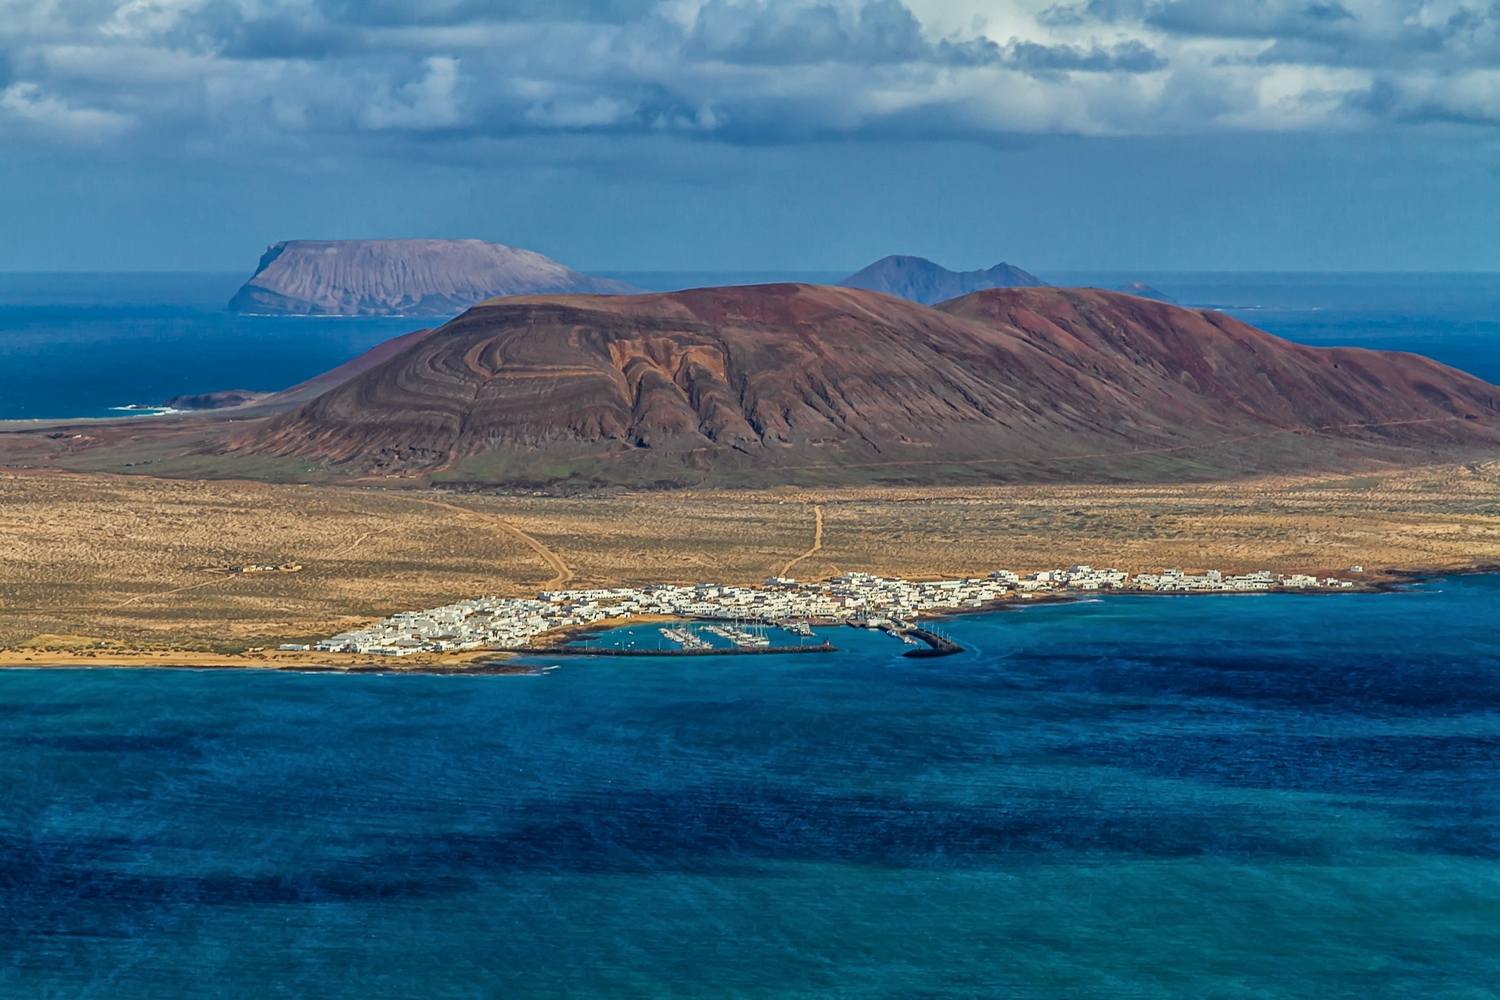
723	639
688	638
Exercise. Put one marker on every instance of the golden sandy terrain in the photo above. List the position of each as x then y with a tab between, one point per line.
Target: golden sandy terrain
93	566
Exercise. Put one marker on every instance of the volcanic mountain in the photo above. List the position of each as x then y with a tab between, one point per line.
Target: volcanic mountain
920	280
802	383
401	277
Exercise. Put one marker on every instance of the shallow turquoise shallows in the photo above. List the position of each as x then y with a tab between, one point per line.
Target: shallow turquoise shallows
1223	796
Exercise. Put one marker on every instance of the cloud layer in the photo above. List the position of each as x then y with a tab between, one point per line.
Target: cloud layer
443	74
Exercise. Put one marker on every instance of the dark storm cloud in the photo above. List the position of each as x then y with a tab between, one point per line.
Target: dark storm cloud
1128	57
445	13
782	33
286	38
1252	18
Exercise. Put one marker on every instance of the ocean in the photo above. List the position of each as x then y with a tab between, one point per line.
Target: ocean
1183	797
1137	796
84	345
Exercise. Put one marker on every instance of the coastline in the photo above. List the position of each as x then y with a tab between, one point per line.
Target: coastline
347	663
502	662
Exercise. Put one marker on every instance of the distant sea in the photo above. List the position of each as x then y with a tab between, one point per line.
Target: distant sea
1268	796
82	345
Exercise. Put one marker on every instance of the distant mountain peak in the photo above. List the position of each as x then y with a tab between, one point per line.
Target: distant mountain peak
1141	290
402	277
920	280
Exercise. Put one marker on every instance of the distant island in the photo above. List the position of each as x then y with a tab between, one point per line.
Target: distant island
1141	290
920	280
401	278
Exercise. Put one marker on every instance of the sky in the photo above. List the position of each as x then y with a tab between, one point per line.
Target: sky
635	135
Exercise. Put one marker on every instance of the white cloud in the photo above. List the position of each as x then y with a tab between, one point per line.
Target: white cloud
148	18
747	70
126	65
428	103
26	102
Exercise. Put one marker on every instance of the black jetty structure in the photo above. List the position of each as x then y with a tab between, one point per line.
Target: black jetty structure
937	645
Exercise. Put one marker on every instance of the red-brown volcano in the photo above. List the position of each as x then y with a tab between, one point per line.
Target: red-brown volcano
809	383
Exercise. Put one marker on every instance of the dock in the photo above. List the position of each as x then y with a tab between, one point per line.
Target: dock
685	638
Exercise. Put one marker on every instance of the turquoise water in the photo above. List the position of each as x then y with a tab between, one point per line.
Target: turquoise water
1239	796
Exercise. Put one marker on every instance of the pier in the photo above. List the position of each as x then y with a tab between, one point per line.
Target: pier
937	645
685	638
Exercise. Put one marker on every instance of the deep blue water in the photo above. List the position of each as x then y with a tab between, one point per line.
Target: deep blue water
1243	796
80	344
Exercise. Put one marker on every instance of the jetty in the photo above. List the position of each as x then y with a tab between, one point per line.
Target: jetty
738	636
937	645
685	638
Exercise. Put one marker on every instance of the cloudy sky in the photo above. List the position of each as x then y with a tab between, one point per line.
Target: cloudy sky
748	134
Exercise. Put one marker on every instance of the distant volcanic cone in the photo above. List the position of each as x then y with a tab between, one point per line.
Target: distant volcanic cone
920	280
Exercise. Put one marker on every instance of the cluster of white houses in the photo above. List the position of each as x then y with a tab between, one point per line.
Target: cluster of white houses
504	623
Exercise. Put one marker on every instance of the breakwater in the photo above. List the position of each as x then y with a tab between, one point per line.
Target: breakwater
937	645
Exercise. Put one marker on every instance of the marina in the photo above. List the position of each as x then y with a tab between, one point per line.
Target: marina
823	647
684	638
690	639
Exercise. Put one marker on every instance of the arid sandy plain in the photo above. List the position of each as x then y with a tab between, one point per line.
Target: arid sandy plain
124	569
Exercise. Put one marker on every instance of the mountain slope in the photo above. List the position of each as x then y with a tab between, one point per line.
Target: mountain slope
358	365
1209	373
786	382
920	280
401	277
